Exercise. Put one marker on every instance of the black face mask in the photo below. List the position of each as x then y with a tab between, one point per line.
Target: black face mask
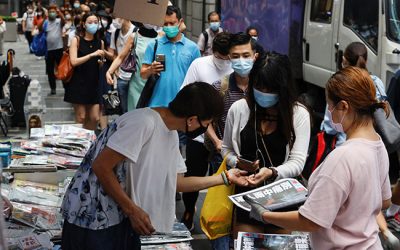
198	131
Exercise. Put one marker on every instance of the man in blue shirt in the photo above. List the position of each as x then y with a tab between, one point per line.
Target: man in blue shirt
179	53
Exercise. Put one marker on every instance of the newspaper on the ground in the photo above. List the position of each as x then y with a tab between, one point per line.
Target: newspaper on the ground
258	241
169	246
31	242
179	233
278	195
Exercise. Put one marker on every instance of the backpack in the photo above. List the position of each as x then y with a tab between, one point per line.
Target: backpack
320	146
39	43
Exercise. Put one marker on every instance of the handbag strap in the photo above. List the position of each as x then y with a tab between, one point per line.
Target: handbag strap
155	49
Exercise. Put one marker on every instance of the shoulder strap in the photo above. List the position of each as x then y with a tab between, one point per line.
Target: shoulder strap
135	29
205	34
116	34
135	40
155	49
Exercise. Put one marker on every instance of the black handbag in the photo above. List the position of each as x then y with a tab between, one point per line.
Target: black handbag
148	88
112	103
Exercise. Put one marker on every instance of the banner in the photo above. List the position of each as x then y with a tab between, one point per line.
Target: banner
144	11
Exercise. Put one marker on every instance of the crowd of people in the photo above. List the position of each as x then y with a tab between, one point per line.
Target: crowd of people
228	99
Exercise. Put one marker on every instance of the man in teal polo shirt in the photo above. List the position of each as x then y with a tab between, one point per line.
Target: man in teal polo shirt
179	53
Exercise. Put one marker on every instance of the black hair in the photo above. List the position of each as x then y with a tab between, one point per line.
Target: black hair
212	13
173	9
83	21
241	39
251	28
198	99
356	54
272	72
221	43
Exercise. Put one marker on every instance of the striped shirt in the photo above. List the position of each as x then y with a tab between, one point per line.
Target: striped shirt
231	95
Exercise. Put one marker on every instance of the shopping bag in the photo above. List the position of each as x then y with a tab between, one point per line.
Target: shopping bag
39	42
216	213
64	68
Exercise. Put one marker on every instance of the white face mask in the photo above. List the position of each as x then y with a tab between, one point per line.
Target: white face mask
68	17
222	64
150	26
104	23
336	126
117	23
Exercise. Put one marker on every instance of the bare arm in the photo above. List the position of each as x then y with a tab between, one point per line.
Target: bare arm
194	183
214	138
292	221
119	59
75	60
103	166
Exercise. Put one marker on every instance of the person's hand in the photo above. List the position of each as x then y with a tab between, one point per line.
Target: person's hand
257	178
98	53
109	78
391	241
140	221
156	67
218	145
238	177
257	211
251	168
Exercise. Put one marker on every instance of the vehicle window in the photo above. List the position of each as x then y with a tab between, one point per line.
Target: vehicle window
321	11
393	20
363	19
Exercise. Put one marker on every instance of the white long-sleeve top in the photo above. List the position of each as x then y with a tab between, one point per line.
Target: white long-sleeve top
238	116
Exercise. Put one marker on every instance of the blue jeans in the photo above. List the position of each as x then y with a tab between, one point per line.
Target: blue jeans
221	243
123	88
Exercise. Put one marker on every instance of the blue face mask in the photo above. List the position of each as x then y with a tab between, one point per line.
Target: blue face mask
265	100
336	126
92	28
171	31
214	26
77	5
242	66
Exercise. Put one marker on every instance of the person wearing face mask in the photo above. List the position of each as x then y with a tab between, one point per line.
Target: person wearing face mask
351	186
27	24
129	171
269	128
119	39
87	55
179	53
55	44
253	32
146	33
67	28
206	38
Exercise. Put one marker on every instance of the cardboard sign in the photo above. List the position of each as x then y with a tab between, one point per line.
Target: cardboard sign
144	11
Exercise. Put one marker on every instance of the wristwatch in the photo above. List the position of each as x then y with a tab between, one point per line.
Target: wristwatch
274	174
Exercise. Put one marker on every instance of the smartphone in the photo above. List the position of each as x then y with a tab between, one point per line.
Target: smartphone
161	58
247	162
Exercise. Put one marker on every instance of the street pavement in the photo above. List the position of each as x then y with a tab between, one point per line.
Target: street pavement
59	112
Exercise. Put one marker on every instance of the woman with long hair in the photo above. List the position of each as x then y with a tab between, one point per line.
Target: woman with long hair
270	128
87	54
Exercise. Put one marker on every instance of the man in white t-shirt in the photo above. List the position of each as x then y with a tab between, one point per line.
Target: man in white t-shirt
119	37
126	184
27	24
206	37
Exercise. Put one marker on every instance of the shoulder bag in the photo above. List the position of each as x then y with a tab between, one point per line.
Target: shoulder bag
65	69
130	62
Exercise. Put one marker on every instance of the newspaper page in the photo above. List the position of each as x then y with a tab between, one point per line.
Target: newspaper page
179	233
258	241
277	195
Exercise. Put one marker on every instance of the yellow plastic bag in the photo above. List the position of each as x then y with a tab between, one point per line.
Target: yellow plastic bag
216	213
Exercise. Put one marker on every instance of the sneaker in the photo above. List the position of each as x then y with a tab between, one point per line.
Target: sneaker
187	219
394	222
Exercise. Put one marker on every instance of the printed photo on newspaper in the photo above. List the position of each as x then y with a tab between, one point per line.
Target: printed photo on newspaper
258	241
278	195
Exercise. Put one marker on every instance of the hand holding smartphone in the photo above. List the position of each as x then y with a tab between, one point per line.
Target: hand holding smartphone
161	59
249	166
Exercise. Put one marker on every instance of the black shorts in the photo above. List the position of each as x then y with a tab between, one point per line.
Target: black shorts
118	237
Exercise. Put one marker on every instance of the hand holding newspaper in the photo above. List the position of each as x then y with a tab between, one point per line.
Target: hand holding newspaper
280	194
